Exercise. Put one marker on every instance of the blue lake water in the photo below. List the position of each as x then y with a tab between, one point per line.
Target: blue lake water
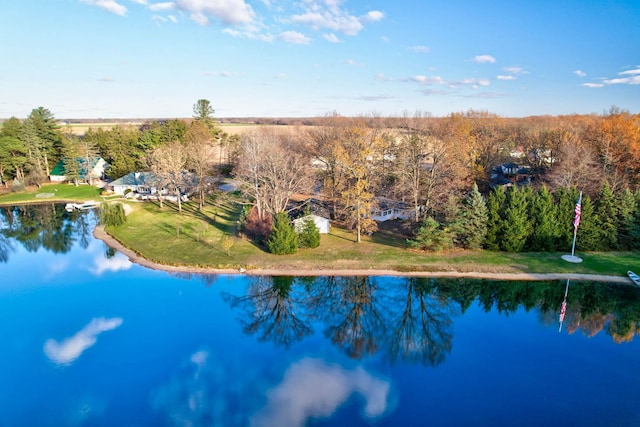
89	339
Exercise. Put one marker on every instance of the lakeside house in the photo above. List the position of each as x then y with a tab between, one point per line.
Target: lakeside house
88	171
147	185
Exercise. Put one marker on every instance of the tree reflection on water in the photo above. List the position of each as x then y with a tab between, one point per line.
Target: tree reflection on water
411	319
269	310
46	226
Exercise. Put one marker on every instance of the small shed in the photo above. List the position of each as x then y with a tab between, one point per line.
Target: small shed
322	223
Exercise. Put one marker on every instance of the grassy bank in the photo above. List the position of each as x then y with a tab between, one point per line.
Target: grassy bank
52	193
198	239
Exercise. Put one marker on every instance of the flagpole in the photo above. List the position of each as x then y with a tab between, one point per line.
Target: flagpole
573	245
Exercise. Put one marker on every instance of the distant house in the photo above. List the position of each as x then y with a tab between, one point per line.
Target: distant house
147	185
390	209
94	169
322	223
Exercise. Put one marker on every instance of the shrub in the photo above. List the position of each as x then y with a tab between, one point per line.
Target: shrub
112	214
309	236
283	239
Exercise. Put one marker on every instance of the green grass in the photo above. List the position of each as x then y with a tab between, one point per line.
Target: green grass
53	193
195	238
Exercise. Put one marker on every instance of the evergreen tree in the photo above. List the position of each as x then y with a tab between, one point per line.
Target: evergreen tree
589	236
543	214
566	200
452	219
635	227
70	159
310	234
473	220
606	211
495	207
626	215
430	237
283	239
516	228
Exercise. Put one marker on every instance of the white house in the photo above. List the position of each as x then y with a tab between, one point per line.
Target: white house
145	185
323	224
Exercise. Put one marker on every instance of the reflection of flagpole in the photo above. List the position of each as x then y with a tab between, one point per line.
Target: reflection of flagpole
563	308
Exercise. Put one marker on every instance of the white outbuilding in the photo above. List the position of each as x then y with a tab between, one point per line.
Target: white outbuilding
322	223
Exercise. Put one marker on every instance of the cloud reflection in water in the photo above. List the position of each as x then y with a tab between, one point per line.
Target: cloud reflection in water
209	391
70	349
311	388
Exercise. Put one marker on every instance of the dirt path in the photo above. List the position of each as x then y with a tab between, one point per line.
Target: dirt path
101	234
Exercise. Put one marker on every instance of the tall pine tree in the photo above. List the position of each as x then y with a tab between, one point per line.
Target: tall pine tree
495	208
472	228
516	221
589	236
543	214
283	239
606	211
626	215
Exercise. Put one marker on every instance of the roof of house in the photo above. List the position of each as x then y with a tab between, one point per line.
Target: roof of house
59	169
137	178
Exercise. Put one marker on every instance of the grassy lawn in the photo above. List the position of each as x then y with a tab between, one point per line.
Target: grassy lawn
196	238
53	193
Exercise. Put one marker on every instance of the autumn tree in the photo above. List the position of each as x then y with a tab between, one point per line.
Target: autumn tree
168	163
354	159
200	157
271	169
321	143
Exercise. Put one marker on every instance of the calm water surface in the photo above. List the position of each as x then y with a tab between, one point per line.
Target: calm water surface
89	339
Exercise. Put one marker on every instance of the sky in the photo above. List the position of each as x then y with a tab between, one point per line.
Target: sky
310	58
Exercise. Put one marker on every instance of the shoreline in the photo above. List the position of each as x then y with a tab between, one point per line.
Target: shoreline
100	233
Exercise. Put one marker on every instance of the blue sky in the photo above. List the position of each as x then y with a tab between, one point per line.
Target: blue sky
306	58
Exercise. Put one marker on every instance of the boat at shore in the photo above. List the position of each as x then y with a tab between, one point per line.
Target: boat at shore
634	277
81	206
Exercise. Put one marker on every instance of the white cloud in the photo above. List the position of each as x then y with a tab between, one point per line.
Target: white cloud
636	71
219	73
142	2
294	37
108	5
502	77
354	63
373	16
635	80
280	76
117	262
229	12
71	348
167	5
427	80
515	70
592	85
580	73
320	14
313	389
482	59
419	49
331	38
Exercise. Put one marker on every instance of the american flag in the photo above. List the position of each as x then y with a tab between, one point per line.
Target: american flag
578	210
